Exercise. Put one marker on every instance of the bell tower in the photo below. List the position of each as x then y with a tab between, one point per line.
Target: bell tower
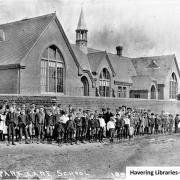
81	33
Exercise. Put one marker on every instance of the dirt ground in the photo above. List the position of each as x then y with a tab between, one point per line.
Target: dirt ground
88	160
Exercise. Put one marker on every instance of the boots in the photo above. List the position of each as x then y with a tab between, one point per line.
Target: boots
32	139
50	140
13	141
59	142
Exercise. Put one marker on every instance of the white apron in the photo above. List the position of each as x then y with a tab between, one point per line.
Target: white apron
3	126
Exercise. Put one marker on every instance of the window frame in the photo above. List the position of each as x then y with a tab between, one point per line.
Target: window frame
59	59
104	83
173	86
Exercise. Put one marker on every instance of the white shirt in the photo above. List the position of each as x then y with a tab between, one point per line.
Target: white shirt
127	121
110	125
102	122
64	119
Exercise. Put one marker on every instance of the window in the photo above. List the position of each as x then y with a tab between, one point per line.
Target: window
122	91
173	86
85	83
153	92
52	70
104	83
137	96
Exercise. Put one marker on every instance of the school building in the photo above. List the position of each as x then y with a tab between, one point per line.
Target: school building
37	58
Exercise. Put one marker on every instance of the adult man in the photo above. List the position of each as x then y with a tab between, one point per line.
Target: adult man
11	122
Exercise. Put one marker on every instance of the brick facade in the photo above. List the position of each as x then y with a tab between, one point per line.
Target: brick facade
98	103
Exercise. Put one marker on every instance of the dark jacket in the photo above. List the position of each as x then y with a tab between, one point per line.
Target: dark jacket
96	123
71	125
119	123
107	117
48	120
78	122
22	120
85	121
11	117
91	124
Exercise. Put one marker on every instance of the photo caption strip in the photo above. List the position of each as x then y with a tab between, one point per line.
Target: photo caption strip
152	173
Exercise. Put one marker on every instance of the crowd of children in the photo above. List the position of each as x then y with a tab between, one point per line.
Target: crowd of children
39	124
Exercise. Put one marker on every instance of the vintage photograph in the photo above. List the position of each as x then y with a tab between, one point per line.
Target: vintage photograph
89	89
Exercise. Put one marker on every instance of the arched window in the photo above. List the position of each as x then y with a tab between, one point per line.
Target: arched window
173	86
104	83
52	70
153	92
85	86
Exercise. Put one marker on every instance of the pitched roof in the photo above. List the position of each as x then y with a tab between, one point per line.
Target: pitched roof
142	82
20	36
92	50
164	62
81	57
123	67
95	59
81	22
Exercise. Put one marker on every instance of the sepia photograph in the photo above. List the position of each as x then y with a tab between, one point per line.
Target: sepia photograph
89	89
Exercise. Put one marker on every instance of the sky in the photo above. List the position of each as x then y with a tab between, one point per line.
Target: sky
142	27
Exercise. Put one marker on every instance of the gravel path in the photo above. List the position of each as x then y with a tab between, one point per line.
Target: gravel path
88	160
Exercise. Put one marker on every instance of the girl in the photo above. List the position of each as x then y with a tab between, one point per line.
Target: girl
3	127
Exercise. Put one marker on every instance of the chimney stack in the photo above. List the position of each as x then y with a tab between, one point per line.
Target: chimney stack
119	50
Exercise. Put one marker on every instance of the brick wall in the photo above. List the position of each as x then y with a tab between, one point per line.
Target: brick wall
96	102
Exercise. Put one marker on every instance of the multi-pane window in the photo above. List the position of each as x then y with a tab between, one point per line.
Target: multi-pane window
52	70
122	91
173	87
104	83
137	96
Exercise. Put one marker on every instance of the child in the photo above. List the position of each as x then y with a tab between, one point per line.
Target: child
22	119
78	121
111	129
3	127
91	127
49	126
11	122
96	126
60	129
85	120
119	126
102	127
71	128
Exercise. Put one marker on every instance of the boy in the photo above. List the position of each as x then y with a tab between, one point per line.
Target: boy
96	126
22	119
91	127
102	127
71	128
49	125
119	126
126	125
78	121
11	122
111	129
85	120
39	124
60	129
